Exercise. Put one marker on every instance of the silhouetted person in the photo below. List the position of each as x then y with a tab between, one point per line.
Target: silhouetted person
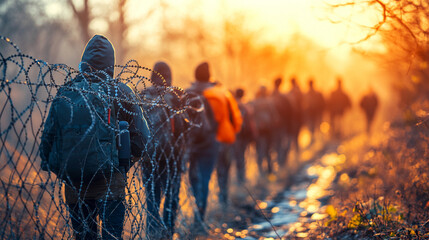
226	155
162	175
296	99
265	118
282	131
212	145
369	104
314	106
244	137
338	103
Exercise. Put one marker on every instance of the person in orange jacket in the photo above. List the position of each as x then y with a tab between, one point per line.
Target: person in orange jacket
221	122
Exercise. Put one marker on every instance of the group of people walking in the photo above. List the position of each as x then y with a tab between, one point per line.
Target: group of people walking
98	128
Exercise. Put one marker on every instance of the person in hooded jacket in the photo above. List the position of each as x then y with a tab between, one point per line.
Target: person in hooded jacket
220	113
163	173
104	195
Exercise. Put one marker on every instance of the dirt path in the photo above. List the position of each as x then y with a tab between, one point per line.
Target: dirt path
282	206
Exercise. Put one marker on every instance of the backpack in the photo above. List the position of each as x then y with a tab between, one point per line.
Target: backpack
201	118
284	109
264	114
166	126
226	113
85	143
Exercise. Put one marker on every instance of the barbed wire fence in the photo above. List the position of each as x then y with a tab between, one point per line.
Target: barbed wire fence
32	202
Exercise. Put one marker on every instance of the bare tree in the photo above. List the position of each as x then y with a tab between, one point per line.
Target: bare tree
122	31
26	23
118	29
115	15
239	45
404	28
83	17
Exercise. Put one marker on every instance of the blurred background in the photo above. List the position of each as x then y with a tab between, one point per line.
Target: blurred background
375	44
247	42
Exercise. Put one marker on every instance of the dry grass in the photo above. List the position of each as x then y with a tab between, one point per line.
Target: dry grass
385	194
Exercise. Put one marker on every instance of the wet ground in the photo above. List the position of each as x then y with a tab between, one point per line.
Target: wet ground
281	206
300	207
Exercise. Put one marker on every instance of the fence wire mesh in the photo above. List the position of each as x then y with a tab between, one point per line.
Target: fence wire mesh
35	204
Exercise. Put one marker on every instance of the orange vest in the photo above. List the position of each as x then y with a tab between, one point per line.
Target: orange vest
226	113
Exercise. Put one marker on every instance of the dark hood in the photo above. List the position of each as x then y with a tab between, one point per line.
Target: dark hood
99	54
163	69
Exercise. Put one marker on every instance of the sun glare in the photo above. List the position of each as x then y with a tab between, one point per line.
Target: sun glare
305	38
279	20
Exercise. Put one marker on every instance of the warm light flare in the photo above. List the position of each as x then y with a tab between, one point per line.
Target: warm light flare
304	138
275	209
262	205
318	216
325	127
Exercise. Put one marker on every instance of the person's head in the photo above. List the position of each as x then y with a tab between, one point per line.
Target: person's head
99	54
262	92
293	81
202	72
311	83
163	69
339	82
277	82
239	93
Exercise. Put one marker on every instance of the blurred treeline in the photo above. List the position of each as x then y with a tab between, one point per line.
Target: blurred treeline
403	30
239	52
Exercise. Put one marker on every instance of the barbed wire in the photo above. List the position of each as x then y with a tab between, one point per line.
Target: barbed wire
34	203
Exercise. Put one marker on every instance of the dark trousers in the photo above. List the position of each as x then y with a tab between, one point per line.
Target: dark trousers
263	151
84	218
104	198
369	119
163	178
280	142
202	163
222	169
239	149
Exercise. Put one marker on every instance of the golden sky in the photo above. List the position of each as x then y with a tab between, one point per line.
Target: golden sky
279	19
